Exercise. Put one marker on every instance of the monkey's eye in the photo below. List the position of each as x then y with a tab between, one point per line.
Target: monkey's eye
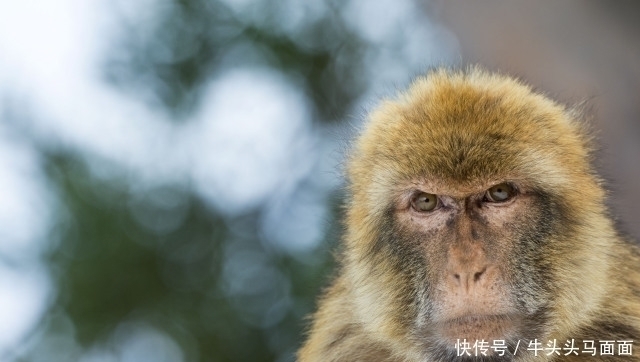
424	202
500	193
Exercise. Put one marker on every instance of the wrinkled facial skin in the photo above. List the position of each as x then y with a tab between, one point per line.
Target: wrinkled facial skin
477	266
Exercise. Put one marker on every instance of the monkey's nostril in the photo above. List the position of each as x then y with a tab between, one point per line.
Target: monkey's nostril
477	275
457	276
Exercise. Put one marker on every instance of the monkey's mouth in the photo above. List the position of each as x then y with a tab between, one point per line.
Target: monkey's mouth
474	328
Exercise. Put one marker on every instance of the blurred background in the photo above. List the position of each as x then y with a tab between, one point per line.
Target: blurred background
170	170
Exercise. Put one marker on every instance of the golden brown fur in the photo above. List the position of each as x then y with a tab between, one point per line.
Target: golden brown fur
554	265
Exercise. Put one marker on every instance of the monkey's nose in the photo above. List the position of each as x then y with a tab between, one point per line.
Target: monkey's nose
468	276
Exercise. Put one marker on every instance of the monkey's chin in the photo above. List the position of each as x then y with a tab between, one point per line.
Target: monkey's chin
474	328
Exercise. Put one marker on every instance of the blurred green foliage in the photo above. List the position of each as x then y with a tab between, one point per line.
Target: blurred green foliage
185	42
109	268
126	250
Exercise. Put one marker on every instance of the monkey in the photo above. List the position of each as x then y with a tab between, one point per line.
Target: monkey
476	230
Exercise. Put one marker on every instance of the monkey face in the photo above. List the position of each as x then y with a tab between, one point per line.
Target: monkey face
473	260
478	283
465	221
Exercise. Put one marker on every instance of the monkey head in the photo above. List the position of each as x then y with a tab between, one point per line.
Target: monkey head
474	214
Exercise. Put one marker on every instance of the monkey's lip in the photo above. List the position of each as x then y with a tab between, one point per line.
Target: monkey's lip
479	327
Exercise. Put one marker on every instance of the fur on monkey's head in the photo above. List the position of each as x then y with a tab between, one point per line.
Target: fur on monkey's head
467	127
